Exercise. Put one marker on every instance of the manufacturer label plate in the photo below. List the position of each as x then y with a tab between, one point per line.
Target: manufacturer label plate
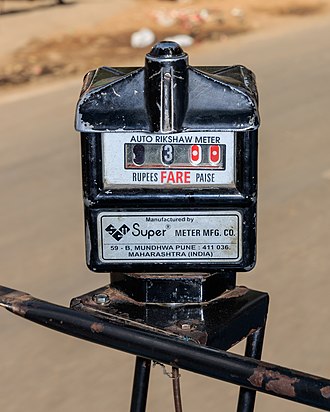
159	237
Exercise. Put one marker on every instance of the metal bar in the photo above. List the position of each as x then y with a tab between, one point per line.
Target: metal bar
239	370
140	385
253	350
176	389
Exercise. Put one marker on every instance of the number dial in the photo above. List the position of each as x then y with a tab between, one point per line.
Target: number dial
167	154
138	154
175	156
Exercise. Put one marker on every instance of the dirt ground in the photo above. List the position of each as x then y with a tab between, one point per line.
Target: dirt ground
74	38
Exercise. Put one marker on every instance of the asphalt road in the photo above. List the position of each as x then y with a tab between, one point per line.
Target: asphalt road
42	250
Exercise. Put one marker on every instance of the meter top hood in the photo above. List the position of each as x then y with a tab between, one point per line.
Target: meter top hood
167	95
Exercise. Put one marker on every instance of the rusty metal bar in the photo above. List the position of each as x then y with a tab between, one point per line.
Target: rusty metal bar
239	370
176	389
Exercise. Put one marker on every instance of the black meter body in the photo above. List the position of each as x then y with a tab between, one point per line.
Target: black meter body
169	163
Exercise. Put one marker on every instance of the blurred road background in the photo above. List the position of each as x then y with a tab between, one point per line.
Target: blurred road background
42	247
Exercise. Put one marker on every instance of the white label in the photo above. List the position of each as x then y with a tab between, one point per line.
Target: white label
185	160
154	237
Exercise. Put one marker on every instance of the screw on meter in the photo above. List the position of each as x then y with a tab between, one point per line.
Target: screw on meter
169	156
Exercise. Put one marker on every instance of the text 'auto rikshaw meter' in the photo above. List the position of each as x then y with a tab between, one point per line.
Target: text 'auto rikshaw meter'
169	166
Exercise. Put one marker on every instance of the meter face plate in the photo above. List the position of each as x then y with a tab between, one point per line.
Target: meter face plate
184	160
169	237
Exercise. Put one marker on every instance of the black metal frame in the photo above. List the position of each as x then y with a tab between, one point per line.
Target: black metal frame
248	372
253	349
140	385
246	399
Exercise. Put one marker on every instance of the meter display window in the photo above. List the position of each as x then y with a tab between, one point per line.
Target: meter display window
175	156
180	160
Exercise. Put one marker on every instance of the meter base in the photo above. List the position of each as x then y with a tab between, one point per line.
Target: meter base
174	288
219	323
234	315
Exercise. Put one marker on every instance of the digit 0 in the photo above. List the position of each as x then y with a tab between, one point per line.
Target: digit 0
195	154
214	154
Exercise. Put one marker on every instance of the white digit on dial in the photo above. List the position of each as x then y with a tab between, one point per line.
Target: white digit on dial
167	154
